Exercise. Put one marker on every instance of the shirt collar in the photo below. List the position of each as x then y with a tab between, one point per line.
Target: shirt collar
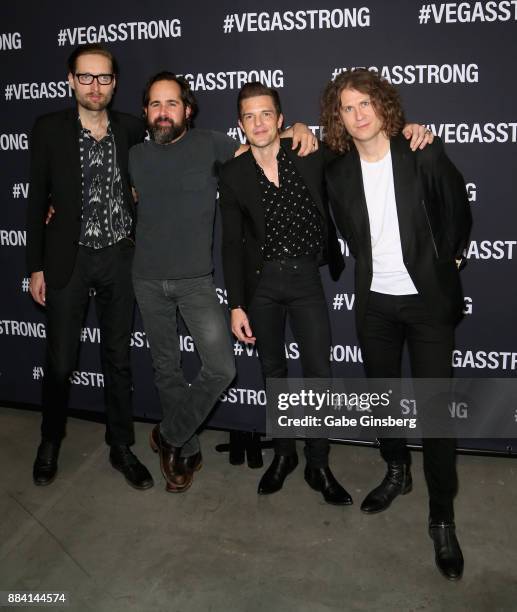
86	132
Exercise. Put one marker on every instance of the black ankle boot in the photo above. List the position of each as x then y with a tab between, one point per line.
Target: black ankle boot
254	450
273	478
44	469
396	482
448	555
323	480
236	450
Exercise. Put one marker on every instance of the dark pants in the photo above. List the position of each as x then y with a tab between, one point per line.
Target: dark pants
293	288
390	321
107	270
185	406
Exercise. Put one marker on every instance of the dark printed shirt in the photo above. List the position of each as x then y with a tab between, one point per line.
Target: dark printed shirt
105	216
293	222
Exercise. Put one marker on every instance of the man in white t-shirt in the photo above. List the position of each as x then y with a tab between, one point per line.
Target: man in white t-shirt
406	218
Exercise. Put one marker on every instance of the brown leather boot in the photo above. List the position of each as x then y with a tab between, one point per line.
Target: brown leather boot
173	469
187	466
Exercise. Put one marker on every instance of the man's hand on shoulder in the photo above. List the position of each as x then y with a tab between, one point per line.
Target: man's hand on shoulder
242	149
38	287
419	135
303	138
241	326
50	213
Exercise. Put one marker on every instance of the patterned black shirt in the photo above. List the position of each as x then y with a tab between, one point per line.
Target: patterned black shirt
105	215
293	222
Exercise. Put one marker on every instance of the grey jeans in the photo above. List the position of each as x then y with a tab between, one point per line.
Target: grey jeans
185	406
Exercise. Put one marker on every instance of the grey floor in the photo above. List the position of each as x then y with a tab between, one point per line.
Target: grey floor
221	547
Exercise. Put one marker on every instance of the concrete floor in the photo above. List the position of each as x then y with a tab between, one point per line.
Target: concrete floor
221	547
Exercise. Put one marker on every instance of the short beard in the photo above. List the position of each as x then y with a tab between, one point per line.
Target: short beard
166	135
85	102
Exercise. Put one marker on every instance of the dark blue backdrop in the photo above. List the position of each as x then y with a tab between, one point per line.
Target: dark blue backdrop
454	64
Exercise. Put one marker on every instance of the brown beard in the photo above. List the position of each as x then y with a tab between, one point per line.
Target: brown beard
165	135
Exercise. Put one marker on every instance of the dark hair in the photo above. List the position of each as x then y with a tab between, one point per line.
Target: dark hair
91	49
186	94
254	89
384	97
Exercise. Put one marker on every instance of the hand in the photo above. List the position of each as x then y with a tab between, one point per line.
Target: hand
461	262
242	149
50	213
420	136
38	288
134	193
241	326
304	138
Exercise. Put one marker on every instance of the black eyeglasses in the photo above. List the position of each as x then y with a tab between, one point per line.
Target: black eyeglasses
85	78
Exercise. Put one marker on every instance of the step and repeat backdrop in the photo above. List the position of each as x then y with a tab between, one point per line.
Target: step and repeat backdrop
453	63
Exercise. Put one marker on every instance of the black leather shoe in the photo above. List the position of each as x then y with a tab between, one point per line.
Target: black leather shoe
448	555
44	469
273	478
322	480
135	473
396	482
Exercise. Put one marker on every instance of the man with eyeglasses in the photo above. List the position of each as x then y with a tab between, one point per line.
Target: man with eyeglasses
79	161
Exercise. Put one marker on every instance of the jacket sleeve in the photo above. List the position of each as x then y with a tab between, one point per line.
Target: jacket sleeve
448	186
39	189
232	245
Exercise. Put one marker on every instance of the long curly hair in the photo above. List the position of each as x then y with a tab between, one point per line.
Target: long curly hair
384	97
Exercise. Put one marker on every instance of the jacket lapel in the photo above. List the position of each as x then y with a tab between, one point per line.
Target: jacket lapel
121	141
358	208
252	195
71	153
404	184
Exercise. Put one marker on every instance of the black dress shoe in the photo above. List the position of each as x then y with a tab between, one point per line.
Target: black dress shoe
396	482
135	473
322	480
273	478
45	465
448	555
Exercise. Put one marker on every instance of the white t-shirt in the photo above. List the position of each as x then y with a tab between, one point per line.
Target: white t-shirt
390	275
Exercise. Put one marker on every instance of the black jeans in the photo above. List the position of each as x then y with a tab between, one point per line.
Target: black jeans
108	271
293	288
390	321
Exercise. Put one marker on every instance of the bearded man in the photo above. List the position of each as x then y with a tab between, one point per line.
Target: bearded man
175	176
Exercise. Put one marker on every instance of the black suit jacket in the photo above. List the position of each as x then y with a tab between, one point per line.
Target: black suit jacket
55	178
434	222
244	225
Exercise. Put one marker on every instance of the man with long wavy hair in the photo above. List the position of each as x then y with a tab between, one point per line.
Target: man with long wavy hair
406	219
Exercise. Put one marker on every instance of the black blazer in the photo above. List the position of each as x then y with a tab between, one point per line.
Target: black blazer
244	223
434	221
55	178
